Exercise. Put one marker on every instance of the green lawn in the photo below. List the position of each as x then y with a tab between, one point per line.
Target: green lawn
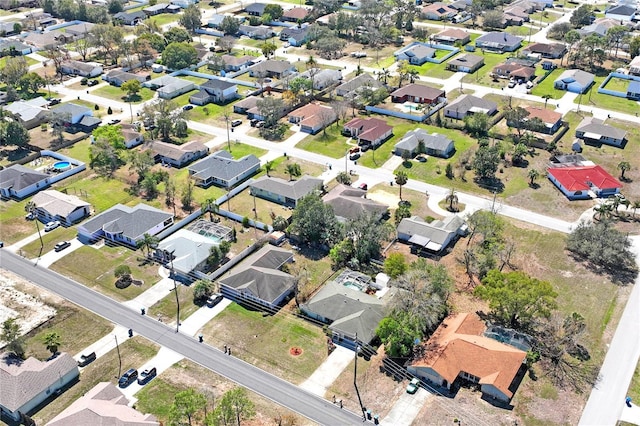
165	18
617	84
133	352
50	239
14	226
184	98
430	69
239	150
103	262
546	87
333	144
265	341
100	192
30	61
166	308
376	158
116	93
196	80
600	100
521	31
545	16
482	75
210	114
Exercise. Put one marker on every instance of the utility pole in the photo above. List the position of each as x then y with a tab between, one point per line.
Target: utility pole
175	289
119	358
355	376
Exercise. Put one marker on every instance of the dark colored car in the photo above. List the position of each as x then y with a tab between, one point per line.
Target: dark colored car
92	83
87	359
62	245
187	107
127	378
146	376
54	101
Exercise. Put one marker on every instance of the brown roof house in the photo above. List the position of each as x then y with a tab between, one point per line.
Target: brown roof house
452	36
458	350
550	119
26	384
178	155
419	94
515	70
104	405
348	202
313	117
369	131
294	15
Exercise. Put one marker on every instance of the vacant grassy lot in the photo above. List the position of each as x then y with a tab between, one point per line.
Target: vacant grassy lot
332	144
103	262
600	100
117	94
165	18
50	239
265	341
14	226
134	352
546	87
430	69
166	308
157	396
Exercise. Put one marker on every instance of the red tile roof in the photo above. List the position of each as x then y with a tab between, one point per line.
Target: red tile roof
546	115
453	33
296	13
578	178
370	129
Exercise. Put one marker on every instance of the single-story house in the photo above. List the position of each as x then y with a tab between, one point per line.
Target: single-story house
313	117
126	225
552	120
261	32
515	15
160	8
358	83
633	90
132	137
10	28
73	113
499	42
458	350
418	93
466	63
369	131
79	29
241	107
545	50
237	63
438	12
322	78
130	18
259	279
295	14
583	182
285	192
18	181
593	130
118	77
31	113
221	169
575	81
348	312
634	66
169	87
47	39
469	104
183	4
272	68
216	91
415	53
7	46
433	237
178	155
54	205
600	27
83	69
434	144
190	251
452	36
255	9
27	384
103	405
87	124
515	70
621	12
348	202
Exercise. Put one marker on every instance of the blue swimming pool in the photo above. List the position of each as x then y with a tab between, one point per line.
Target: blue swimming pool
62	166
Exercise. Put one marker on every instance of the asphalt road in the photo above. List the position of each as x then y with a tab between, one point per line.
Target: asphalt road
259	381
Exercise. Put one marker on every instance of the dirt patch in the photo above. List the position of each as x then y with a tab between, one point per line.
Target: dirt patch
30	310
384	197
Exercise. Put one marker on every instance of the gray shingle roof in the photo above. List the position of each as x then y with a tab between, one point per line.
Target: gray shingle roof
131	222
57	203
499	38
437	231
215	83
71	109
22	381
294	189
358	82
466	103
18	177
349	203
582	77
597	126
434	141
468	60
223	166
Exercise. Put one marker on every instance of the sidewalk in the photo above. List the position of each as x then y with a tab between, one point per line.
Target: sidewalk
151	296
163	360
23	242
328	371
406	408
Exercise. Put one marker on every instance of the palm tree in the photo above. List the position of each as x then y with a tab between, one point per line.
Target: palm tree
602	210
623	166
452	199
148	242
401	179
635	206
533	175
52	341
210	206
293	170
546	99
30	208
268	166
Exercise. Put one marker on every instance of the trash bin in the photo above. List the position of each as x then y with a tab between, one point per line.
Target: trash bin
200	338
130	333
628	401
376	419
368	414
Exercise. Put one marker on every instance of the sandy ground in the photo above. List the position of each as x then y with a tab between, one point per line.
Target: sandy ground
31	311
384	198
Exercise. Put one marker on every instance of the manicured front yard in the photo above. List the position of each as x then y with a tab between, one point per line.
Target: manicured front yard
546	86
166	309
332	144
117	94
265	341
482	75
50	239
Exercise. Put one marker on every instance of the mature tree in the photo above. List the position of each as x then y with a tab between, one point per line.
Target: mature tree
401	212
52	341
268	49
330	47
131	88
315	222
177	35
191	18
344	178
114	6
13	133
229	25
477	124
452	199
141	162
156	41
605	248
493	19
293	170
11	334
401	179
367	234
14	69
581	16
177	56
395	265
226	43
210	206
31	82
486	161
185	407
487	225
558	31
108	39
202	289
58	123
234	405
107	152
520	150
299	87
165	114
517	299
623	166
275	10
634	46
187	195
532	174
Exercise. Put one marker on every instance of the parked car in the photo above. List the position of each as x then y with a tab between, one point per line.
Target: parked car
511	84
50	226
114	121
354	149
253	122
30	216
354	156
214	299
187	107
260	124
62	245
236	123
86	359
146	376
54	101
363	186
413	386
92	83
127	378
